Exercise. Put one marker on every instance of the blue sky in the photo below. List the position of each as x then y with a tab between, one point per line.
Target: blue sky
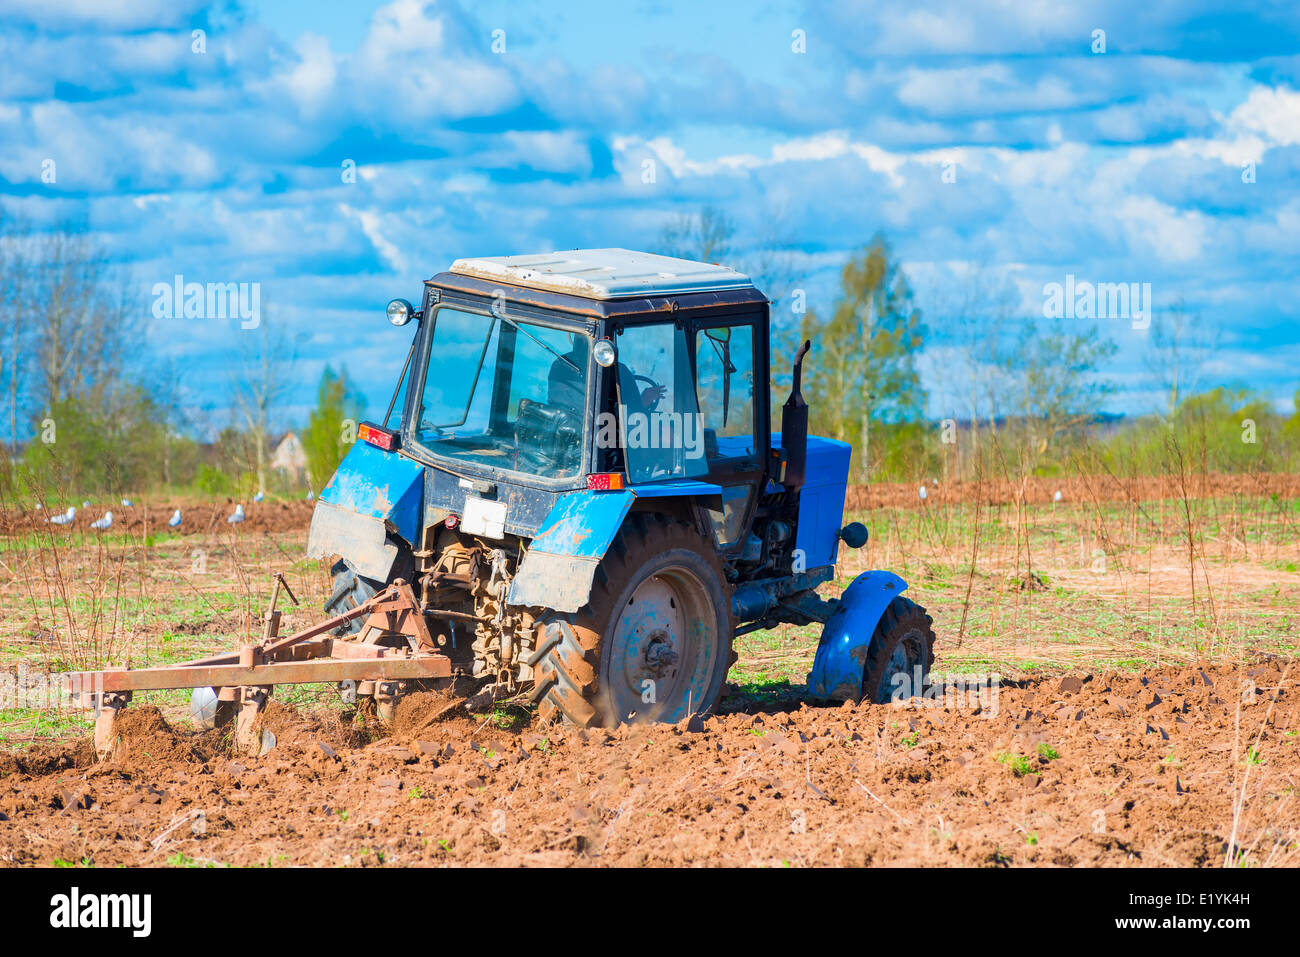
225	165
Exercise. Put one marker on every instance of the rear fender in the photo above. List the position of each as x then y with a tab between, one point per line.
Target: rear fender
372	492
561	561
560	564
841	660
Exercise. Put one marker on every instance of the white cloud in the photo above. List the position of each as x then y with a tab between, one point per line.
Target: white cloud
1159	229
310	82
112	14
376	226
1273	113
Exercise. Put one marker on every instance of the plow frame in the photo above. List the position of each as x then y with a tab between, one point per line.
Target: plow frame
245	679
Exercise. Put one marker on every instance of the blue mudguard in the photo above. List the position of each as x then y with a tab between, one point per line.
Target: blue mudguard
841	661
561	561
560	565
371	490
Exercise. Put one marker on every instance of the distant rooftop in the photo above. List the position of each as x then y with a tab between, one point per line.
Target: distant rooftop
604	273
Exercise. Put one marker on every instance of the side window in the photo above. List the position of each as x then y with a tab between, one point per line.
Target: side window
660	425
724	365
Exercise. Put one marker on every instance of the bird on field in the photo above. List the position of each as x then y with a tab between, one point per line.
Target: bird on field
175	520
238	515
39	506
126	503
923	494
258	497
104	523
1057	496
64	519
86	504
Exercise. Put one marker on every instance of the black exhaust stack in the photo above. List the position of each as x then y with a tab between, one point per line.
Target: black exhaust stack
794	427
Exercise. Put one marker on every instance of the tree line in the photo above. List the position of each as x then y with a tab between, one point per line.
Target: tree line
89	405
1015	393
92	406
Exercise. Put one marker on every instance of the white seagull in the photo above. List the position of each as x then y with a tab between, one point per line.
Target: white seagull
258	497
923	493
86	504
64	519
126	503
238	515
1057	496
175	520
103	523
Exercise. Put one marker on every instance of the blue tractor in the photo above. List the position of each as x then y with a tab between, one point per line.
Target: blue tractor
578	478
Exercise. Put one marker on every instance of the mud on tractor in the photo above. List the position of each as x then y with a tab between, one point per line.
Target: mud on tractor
575	495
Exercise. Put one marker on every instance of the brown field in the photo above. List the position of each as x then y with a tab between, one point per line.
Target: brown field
1146	711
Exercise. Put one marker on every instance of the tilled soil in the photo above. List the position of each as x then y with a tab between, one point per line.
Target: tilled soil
1084	769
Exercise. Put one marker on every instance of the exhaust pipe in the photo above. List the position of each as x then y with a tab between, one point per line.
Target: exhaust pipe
794	427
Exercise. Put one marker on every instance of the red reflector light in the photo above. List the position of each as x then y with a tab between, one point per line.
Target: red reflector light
374	435
451	521
605	481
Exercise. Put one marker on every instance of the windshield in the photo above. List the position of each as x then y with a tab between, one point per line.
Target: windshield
504	393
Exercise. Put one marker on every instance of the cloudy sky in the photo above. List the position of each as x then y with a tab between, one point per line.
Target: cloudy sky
977	136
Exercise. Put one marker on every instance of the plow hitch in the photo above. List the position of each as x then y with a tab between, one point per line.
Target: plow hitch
393	648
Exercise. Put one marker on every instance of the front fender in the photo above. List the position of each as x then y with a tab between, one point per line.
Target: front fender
841	659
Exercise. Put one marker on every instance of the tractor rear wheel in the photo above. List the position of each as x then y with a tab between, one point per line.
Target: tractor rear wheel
350	590
653	642
900	654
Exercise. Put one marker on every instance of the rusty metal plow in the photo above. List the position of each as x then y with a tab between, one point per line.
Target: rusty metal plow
243	680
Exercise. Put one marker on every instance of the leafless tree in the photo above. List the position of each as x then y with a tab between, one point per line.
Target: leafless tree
1180	344
265	368
14	332
975	316
83	318
70	321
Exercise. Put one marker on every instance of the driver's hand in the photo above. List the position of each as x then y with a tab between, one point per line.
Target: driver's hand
651	396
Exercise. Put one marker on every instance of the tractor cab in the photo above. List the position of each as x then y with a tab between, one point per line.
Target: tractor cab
585	369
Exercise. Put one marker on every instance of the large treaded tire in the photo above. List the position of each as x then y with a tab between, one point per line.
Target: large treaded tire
572	664
351	589
904	622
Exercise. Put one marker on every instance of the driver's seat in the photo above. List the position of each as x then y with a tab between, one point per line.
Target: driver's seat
548	438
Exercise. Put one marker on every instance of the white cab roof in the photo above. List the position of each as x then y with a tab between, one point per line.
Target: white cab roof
603	273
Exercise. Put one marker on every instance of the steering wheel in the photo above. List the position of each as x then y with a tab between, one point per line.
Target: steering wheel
653	383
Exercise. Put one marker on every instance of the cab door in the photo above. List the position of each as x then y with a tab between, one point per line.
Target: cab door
729	358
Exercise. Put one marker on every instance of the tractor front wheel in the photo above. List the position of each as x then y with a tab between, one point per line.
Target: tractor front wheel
900	654
653	642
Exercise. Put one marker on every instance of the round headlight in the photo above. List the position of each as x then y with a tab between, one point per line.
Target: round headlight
603	350
399	312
